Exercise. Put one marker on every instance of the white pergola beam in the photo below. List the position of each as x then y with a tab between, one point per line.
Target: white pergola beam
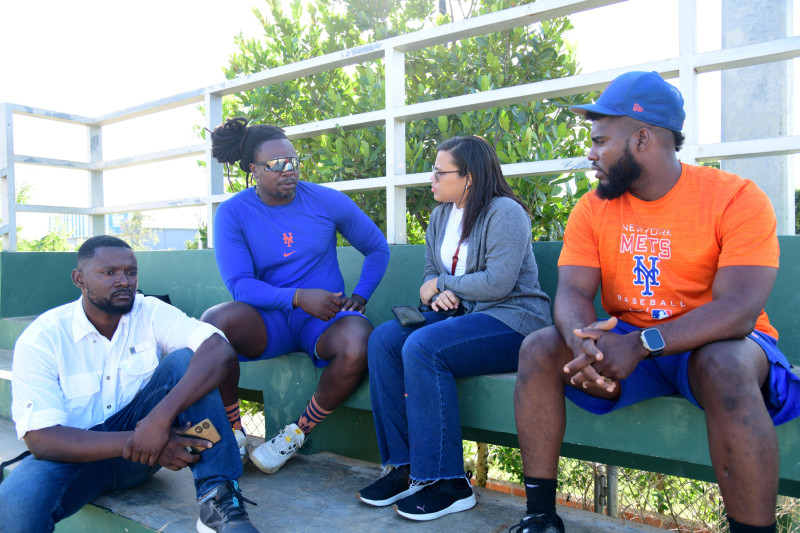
747	56
54	209
154	157
170	102
49	114
749	148
51	162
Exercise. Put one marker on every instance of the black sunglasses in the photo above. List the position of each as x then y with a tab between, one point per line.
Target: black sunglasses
280	164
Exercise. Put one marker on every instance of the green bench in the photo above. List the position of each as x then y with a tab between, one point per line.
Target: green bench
664	435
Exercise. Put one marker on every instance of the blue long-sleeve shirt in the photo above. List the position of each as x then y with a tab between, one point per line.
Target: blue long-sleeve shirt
265	253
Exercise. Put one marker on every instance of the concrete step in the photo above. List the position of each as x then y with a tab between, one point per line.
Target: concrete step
5	383
11	328
310	493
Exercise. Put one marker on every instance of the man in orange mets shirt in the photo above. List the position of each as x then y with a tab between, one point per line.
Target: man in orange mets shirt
686	257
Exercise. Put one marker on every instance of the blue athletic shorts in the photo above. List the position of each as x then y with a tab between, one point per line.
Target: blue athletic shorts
669	374
295	330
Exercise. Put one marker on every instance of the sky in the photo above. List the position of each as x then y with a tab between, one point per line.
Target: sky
91	57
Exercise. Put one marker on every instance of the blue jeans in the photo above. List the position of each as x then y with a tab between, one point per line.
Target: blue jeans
39	493
412	373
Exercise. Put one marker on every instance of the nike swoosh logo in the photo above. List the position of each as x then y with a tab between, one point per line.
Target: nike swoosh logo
287	255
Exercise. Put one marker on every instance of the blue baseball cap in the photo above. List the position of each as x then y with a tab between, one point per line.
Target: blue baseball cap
642	96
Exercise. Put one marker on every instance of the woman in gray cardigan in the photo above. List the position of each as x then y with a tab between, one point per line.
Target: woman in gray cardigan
481	282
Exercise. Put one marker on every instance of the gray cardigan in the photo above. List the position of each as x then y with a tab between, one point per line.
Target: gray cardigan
501	278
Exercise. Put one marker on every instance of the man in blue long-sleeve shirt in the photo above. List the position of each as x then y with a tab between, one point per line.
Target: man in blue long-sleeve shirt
275	246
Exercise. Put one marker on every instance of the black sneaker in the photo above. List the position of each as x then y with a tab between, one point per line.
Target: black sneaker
539	523
225	511
390	488
437	499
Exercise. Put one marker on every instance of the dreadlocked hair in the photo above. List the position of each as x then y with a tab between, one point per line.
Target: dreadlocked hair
234	141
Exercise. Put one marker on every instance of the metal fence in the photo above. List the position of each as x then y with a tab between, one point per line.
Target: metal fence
393	117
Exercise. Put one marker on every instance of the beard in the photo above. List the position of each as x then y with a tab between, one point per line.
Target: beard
104	304
620	176
285	195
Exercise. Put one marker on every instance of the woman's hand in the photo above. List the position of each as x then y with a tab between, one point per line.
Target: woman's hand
445	301
428	290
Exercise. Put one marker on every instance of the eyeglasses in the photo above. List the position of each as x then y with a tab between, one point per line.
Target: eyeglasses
280	164
437	174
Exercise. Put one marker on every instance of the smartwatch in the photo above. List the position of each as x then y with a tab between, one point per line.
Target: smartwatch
653	342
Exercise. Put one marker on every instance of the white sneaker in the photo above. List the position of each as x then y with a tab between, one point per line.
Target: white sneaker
242	443
273	454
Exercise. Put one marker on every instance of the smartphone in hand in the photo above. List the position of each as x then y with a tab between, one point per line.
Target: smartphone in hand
202	430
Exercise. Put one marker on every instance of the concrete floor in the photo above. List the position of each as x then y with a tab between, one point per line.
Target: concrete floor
316	493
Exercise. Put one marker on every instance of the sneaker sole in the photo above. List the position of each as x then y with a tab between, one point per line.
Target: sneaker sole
202	528
457	506
389	501
265	469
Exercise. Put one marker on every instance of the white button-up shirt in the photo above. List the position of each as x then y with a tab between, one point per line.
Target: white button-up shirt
66	373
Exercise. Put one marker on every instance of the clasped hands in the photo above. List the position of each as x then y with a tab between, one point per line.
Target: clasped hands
439	301
152	442
602	358
324	305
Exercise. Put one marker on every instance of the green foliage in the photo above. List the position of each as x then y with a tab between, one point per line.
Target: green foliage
24	190
797	212
134	232
416	235
202	237
55	241
520	132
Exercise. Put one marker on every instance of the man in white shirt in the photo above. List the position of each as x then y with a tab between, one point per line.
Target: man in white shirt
102	388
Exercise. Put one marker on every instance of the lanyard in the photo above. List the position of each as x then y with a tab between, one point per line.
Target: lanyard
455	260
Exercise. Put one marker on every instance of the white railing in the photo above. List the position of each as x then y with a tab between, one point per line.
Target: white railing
687	67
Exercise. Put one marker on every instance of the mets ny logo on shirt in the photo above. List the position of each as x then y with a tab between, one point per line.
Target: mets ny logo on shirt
647	248
288	240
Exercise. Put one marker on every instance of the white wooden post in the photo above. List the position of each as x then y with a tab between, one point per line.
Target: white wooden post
215	183
8	189
395	74
97	225
687	46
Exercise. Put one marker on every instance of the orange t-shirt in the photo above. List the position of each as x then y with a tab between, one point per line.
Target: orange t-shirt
658	259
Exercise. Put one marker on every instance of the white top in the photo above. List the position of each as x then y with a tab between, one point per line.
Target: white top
450	242
66	373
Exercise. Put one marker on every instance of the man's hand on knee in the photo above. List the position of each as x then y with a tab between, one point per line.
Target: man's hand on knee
147	442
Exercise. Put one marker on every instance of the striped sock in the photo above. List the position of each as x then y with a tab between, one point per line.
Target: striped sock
313	415
233	416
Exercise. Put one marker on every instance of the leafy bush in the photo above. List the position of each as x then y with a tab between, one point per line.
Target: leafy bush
521	132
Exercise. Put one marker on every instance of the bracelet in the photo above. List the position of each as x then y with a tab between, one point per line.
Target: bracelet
294	298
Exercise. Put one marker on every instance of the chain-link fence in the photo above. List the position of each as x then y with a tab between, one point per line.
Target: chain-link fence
252	414
668	502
